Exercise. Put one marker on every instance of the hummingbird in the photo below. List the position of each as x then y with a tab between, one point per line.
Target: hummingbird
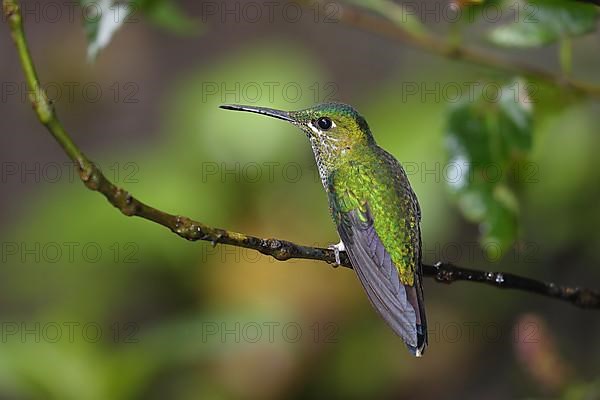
375	210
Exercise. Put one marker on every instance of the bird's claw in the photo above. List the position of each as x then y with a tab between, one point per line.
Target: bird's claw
336	250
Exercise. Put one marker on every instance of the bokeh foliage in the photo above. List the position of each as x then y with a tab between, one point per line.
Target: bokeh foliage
173	288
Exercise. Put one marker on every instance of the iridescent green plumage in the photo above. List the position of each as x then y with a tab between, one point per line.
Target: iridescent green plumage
375	210
373	179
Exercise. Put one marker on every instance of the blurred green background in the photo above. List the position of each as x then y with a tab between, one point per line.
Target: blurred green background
95	305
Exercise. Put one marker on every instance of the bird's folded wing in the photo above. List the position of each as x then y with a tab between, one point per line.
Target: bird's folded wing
378	274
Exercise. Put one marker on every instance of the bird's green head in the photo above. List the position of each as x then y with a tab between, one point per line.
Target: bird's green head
330	126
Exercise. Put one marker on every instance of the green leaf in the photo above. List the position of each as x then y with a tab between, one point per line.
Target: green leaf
540	22
102	18
487	131
167	15
399	14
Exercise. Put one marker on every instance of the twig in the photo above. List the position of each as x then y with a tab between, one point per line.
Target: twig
281	250
359	18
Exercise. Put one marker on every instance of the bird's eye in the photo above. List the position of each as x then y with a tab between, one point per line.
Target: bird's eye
324	123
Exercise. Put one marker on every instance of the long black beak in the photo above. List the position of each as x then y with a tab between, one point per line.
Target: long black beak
260	110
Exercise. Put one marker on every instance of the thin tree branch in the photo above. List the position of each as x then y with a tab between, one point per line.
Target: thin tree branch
360	19
281	250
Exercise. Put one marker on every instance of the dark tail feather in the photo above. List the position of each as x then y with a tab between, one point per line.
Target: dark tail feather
414	294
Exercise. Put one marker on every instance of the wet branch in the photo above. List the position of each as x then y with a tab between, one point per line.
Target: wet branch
281	250
435	44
